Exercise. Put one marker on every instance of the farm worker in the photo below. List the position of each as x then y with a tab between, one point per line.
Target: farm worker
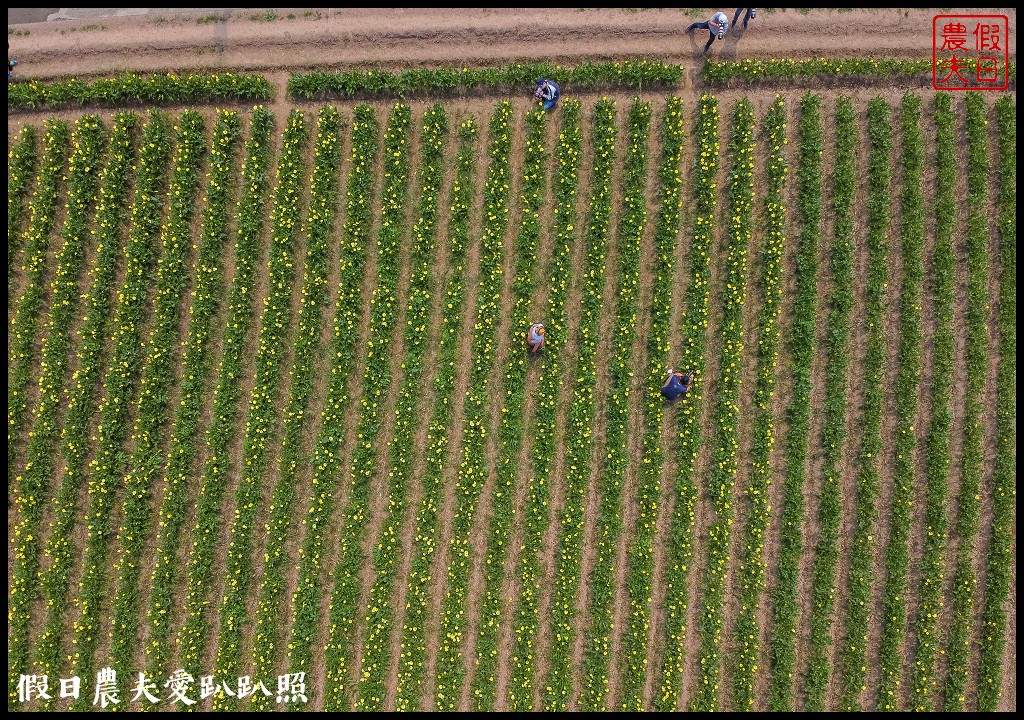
547	93
717	26
676	384
535	337
751	14
10	63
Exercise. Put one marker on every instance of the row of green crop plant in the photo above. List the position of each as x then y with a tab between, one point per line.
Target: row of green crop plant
30	489
640	559
413	658
21	161
510	431
853	652
84	385
752	564
679	554
355	239
939	290
24	326
473	468
178	467
381	610
801	340
611	477
146	462
143	385
1000	556
323	200
722	475
525	615
753	71
908	377
341	646
275	326
194	631
131	88
375	83
960	642
557	687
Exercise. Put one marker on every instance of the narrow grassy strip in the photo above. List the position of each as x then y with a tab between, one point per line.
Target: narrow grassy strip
752	564
146	461
1000	554
908	376
679	553
320	219
782	642
275	332
36	240
632	222
94	338
185	435
510	432
724	463
640	560
347	314
965	581
568	151
937	436
121	380
32	487
412	661
380	618
473	468
557	687
21	162
340	648
853	653
192	636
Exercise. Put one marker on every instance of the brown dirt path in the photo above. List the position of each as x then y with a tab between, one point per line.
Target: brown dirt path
403	37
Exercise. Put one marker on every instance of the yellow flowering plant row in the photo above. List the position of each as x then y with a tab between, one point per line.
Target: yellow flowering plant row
753	71
192	635
139	373
30	489
781	649
348	313
413	658
146	462
21	162
178	466
510	431
473	467
417	334
341	643
960	643
83	386
24	326
939	289
908	378
722	474
751	570
853	651
640	560
679	551
557	687
1000	556
611	477
536	509
264	403
323	200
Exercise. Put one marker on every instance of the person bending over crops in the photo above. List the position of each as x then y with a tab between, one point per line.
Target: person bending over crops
535	337
676	384
547	93
718	25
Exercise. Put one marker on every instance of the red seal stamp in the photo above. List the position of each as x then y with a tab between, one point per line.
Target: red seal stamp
970	52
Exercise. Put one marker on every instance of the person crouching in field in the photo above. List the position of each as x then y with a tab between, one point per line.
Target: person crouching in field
718	25
676	384
535	337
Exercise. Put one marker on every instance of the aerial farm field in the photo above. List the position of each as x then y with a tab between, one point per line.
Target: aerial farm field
271	412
